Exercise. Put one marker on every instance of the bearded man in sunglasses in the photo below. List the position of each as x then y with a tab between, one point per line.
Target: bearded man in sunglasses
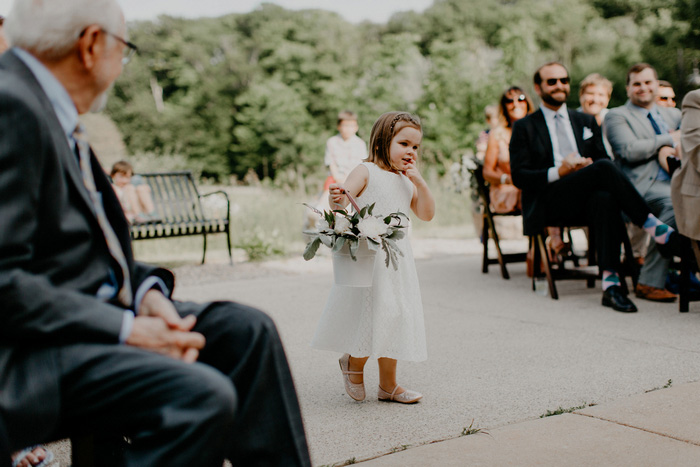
559	162
643	135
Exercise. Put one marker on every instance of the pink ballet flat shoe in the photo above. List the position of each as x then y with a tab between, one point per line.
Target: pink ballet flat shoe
406	397
354	390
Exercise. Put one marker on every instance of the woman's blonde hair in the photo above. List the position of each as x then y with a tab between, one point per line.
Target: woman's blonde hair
384	130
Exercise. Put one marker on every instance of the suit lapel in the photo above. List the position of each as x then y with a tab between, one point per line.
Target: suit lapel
640	122
542	134
577	126
63	150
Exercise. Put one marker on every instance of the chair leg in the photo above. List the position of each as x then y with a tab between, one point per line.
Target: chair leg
544	258
485	241
501	261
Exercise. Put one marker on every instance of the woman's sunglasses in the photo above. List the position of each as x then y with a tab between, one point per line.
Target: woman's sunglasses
520	98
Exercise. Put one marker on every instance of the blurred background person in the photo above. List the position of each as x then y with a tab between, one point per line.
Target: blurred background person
3	41
685	185
665	96
492	120
513	105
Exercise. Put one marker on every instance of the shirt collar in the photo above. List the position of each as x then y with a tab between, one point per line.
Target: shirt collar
58	96
549	113
654	111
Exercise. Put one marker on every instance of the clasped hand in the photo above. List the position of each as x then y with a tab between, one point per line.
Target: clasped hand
159	328
572	163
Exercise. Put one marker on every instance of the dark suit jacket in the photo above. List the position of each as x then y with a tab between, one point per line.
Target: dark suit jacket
53	256
531	155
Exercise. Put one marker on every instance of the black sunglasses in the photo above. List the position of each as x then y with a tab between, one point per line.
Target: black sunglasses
553	81
520	98
667	98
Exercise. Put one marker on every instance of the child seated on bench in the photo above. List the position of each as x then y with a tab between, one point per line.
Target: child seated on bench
133	193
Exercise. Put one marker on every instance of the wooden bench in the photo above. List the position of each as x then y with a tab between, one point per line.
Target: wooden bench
178	210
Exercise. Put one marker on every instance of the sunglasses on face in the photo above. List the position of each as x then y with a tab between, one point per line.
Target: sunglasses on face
553	81
667	98
508	100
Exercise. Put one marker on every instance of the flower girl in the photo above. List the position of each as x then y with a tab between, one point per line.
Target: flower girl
385	320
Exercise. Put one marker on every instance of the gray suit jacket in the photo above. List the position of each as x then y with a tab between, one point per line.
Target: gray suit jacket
635	144
685	186
53	255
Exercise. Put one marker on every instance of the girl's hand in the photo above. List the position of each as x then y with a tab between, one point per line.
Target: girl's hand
336	194
413	173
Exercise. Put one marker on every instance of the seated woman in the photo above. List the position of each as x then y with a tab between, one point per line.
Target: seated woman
513	106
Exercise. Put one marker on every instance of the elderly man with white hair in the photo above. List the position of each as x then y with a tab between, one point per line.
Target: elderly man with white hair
90	341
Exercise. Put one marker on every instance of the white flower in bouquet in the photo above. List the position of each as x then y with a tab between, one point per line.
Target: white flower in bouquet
342	225
372	227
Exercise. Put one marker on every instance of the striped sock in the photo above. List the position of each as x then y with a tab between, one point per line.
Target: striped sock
610	278
657	229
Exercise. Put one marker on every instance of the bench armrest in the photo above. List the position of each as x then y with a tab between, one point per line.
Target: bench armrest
220	193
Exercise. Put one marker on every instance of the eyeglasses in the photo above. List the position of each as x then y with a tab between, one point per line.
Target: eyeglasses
552	81
520	98
129	51
667	98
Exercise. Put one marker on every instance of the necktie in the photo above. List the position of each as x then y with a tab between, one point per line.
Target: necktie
661	173
565	147
655	125
115	248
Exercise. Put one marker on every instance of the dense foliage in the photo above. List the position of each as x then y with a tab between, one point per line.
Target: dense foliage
260	91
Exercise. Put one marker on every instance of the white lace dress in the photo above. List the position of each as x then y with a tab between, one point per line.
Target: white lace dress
385	320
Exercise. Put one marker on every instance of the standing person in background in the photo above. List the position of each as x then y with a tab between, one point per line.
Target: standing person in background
642	135
666	96
344	152
386	319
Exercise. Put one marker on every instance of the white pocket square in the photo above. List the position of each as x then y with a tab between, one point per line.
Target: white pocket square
587	133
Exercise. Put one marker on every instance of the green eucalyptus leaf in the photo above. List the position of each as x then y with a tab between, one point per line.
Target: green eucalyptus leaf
312	248
339	243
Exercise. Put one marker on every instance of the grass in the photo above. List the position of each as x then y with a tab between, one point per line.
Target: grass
562	410
471	430
665	386
266	222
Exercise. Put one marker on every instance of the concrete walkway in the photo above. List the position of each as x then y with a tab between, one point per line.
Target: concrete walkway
500	356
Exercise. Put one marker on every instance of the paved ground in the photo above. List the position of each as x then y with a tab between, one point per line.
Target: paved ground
499	357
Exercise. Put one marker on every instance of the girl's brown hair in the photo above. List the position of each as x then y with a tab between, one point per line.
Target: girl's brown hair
383	131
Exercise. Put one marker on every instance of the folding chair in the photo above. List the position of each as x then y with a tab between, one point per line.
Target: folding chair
489	227
557	272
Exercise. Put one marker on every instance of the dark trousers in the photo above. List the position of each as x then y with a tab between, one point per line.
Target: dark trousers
5	459
237	402
596	196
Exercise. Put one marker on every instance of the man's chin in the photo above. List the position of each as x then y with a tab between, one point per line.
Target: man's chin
100	102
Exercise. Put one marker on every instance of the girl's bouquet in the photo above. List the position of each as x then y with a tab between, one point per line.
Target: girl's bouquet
337	228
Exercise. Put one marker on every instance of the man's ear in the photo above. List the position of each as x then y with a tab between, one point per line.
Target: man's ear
538	89
90	46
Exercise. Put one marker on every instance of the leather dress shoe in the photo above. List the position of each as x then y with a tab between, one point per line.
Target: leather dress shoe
672	247
654	294
614	298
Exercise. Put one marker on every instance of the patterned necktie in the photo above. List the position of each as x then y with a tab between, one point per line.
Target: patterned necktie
115	248
565	147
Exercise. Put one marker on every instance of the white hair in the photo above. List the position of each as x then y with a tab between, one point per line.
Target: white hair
50	28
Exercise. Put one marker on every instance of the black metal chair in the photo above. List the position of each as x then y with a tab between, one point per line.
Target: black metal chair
558	272
489	227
